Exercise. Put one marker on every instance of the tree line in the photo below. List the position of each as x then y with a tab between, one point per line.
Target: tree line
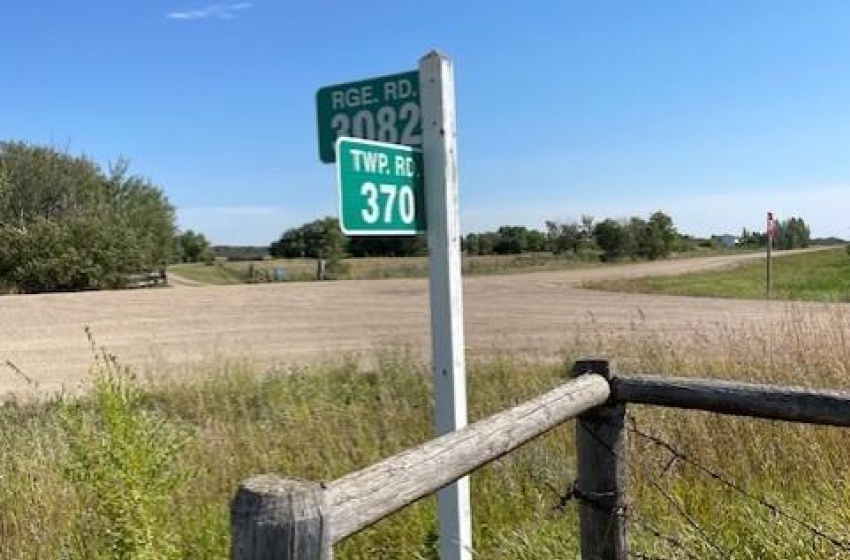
792	233
67	224
655	237
323	239
609	239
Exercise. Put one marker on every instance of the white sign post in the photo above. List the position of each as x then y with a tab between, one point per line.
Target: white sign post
439	154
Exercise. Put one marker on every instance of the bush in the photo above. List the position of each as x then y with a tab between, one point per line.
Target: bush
121	463
66	224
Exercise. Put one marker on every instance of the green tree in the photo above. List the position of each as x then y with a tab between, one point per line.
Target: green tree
319	239
611	238
291	245
481	243
487	242
142	208
638	238
564	238
536	241
193	247
67	225
512	240
472	244
635	238
661	236
586	232
792	233
324	239
519	239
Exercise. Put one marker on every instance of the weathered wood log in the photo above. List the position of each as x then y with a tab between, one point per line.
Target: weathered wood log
602	474
794	404
274	518
364	497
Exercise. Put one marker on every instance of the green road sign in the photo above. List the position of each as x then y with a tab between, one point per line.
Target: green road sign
384	109
381	188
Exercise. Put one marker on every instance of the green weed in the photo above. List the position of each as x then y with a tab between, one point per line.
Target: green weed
122	463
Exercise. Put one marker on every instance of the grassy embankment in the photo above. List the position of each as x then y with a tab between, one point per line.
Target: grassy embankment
300	270
817	276
145	470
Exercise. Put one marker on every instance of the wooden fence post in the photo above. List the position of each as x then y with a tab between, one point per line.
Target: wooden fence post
280	519
601	485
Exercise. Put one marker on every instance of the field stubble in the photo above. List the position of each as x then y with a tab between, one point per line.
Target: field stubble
531	314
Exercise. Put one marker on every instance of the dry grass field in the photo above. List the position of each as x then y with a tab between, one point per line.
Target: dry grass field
44	348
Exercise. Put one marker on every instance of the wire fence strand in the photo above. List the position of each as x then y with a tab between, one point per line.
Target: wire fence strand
671	544
676	505
678	455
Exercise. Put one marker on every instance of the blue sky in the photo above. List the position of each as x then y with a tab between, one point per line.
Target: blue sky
714	112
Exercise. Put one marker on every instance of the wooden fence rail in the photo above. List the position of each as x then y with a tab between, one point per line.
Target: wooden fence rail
265	514
793	404
287	519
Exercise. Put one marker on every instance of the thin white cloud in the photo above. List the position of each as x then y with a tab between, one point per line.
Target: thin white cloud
213	11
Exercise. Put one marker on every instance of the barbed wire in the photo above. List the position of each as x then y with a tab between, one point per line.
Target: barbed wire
574	492
679	455
680	509
673	541
689	519
679	548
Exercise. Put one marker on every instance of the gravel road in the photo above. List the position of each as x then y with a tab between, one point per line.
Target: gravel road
43	336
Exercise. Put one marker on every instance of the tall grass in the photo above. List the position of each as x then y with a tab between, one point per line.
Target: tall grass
322	421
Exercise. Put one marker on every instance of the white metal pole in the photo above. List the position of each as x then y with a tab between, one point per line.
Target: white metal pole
439	154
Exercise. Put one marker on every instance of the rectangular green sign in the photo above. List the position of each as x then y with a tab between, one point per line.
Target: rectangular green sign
384	109
381	188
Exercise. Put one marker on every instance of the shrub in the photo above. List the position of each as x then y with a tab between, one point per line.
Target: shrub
121	463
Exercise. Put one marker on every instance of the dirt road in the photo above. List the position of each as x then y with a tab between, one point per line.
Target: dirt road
44	335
